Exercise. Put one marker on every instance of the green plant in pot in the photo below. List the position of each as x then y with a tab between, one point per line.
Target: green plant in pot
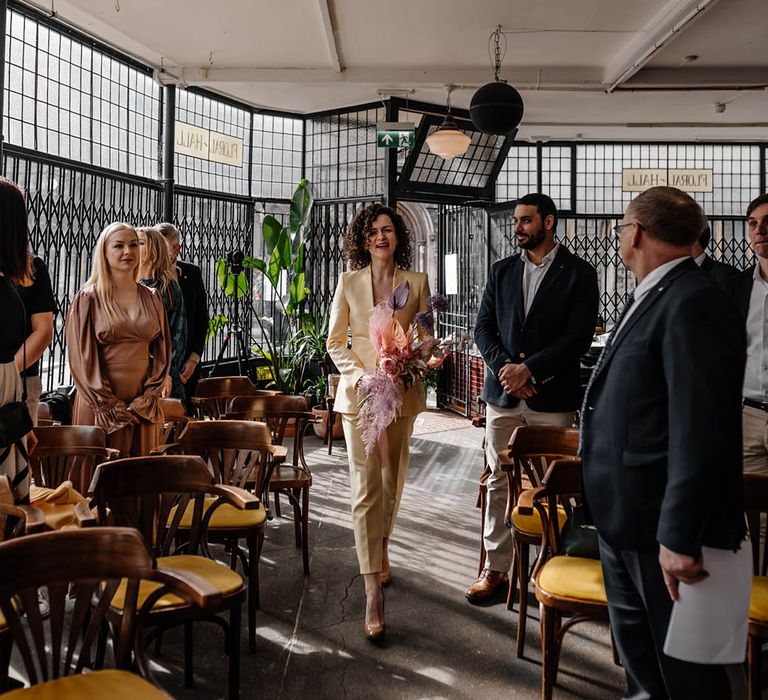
281	345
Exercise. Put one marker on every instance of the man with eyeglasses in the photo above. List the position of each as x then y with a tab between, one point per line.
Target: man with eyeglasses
661	442
750	289
536	319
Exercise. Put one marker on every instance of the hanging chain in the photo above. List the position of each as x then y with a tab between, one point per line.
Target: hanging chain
499	51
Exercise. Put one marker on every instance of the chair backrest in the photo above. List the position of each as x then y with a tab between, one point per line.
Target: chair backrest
534	447
239	452
213	394
140	492
13	520
175	419
276	411
44	411
756	509
68	453
96	560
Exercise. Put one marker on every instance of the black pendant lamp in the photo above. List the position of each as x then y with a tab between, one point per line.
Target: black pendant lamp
496	108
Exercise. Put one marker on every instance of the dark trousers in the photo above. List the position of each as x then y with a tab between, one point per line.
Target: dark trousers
190	388
639	607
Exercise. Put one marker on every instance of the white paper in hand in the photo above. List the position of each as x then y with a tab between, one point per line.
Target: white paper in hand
709	620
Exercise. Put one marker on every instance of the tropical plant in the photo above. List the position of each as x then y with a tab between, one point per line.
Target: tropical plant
284	269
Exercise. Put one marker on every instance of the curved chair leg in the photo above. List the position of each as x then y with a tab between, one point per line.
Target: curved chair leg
522	575
233	648
512	580
254	598
296	516
305	529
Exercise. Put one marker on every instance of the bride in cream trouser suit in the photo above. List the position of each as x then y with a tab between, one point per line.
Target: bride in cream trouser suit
376	488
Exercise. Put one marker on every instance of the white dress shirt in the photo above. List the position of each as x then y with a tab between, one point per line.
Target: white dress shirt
700	259
533	274
650	281
756	373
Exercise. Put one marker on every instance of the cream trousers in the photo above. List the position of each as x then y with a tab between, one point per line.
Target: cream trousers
376	489
755	440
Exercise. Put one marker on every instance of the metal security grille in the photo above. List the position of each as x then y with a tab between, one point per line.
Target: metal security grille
461	273
341	155
211	227
325	260
277	155
66	98
68	206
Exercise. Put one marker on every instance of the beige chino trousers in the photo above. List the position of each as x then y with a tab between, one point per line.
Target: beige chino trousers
755	440
376	489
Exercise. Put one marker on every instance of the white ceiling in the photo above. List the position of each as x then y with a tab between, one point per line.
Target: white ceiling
311	55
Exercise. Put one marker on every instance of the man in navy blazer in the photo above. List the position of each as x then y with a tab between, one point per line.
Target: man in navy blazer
536	319
722	273
196	306
661	441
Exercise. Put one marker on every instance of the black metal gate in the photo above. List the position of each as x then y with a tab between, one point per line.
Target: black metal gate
463	260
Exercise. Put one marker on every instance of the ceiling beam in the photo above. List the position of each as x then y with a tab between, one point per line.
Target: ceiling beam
689	77
330	39
674	18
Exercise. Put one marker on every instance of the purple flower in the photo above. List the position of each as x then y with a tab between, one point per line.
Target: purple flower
425	322
438	303
399	298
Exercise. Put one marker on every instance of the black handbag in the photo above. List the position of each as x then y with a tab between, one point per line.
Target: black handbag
15	421
577	538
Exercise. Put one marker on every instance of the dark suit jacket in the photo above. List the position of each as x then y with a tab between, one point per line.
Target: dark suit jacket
720	272
550	340
661	433
740	288
196	304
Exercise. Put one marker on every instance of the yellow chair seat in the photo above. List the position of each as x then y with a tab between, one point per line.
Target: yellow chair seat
531	524
115	685
758	601
216	573
224	517
574	578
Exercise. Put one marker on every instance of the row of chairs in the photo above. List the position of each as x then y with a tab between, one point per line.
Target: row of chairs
544	482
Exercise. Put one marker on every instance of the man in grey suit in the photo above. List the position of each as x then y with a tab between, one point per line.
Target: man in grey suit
661	441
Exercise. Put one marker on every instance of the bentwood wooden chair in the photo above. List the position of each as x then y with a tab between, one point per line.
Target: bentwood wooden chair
213	394
155	495
482	494
175	419
756	508
565	585
241	454
531	450
100	563
292	480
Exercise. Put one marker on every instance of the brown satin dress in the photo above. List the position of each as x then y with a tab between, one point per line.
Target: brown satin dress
117	367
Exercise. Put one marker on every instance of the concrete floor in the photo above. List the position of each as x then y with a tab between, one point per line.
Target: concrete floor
310	639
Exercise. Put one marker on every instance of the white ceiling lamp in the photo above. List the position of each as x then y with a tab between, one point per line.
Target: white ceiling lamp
448	141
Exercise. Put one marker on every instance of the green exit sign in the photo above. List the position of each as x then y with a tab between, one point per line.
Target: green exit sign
395	134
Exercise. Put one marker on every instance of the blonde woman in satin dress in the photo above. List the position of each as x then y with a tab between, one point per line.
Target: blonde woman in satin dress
378	252
118	347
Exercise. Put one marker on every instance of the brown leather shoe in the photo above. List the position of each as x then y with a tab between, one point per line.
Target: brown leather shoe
488	586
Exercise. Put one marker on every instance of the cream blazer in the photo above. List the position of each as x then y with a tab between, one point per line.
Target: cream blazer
351	309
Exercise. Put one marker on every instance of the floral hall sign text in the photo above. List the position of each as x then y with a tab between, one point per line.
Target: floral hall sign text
687	179
208	145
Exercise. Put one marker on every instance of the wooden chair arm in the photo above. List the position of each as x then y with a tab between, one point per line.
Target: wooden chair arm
170	448
527	498
506	462
279	453
85	518
35	519
191	586
234	495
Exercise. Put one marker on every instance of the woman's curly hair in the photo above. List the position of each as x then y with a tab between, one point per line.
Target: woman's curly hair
355	238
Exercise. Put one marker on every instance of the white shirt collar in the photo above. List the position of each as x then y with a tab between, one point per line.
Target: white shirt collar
655	276
546	260
699	260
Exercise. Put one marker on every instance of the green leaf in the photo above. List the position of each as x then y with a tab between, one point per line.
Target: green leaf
255	263
221	271
298	262
301	291
237	284
271	229
215	325
283	249
273	269
301	206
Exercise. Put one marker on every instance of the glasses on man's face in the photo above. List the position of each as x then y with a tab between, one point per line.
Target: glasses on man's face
617	228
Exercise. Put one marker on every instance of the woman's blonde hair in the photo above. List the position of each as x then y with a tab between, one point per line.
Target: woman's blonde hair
101	275
158	260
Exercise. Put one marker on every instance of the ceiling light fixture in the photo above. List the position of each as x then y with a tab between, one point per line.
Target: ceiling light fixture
448	141
496	108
